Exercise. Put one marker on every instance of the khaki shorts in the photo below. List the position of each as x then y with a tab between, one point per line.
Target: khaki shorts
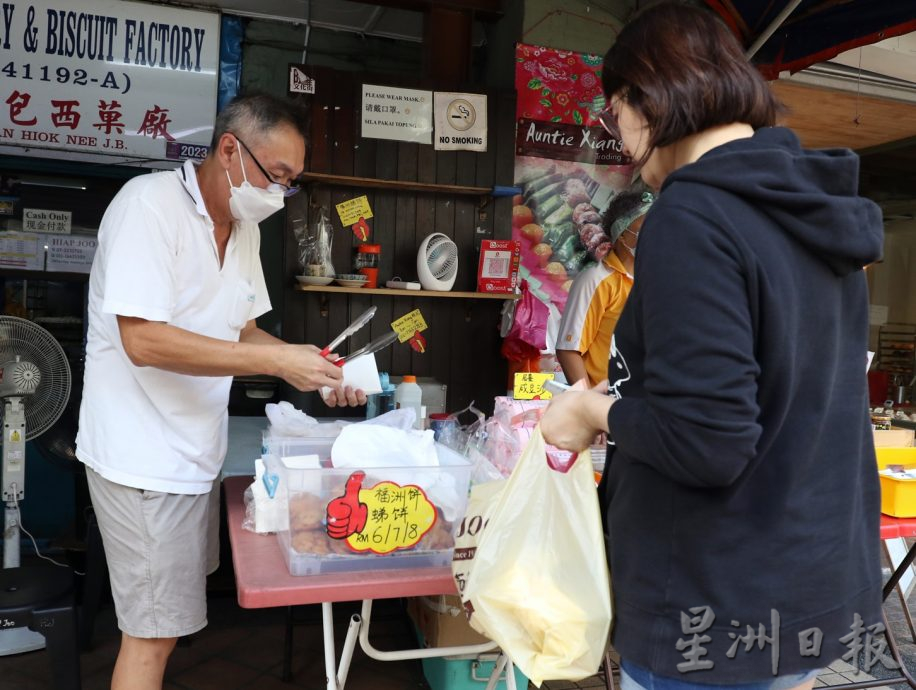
160	548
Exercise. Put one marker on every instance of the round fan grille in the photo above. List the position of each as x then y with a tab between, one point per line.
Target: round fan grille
26	376
437	262
42	364
442	257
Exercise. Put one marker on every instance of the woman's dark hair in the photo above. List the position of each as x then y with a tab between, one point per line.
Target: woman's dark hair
684	71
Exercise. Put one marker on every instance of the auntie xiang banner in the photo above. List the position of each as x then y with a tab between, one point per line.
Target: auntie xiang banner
567	165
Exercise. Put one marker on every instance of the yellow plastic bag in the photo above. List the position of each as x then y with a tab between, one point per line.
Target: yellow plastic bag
537	582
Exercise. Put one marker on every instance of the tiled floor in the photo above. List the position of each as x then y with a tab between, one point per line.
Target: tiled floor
242	650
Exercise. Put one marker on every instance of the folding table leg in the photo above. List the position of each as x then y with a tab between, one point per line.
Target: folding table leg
510	675
896	656
502	661
346	654
902	595
608	671
330	655
286	675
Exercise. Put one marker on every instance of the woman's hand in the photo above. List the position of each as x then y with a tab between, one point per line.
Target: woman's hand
573	419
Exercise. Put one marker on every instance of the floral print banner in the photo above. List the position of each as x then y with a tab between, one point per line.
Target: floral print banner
558	85
567	167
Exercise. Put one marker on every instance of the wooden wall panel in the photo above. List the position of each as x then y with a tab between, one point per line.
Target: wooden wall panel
462	338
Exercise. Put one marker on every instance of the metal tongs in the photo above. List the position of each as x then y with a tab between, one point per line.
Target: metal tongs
349	330
374	346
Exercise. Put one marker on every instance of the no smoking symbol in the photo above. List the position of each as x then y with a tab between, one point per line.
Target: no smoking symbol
461	115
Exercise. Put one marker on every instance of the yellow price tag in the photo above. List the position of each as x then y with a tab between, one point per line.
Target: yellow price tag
397	517
408	325
351	210
531	386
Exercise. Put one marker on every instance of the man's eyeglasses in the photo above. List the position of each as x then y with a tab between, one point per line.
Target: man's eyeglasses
288	190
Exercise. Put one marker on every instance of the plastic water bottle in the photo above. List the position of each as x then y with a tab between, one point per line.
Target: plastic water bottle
380	403
409	394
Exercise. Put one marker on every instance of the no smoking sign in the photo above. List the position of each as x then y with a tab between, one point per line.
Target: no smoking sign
461	121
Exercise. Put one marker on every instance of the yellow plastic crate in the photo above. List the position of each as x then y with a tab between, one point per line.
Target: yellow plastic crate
895	456
898	495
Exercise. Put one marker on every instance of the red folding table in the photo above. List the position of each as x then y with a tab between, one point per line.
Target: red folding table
263	581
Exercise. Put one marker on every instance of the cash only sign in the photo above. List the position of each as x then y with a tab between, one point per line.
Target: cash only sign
108	77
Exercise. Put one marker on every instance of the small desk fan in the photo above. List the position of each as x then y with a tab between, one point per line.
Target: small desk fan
437	263
34	388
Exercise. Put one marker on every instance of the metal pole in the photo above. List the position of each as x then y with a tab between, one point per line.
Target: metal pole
327	625
346	654
771	29
11	536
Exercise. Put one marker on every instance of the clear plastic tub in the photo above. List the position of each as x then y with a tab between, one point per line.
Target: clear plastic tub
414	511
286	446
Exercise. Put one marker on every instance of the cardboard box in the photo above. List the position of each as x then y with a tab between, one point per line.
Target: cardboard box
894	438
497	270
441	621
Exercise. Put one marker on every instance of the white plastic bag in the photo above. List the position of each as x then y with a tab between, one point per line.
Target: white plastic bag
287	420
537	582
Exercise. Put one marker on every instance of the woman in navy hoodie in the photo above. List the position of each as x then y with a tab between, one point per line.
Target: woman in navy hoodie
741	490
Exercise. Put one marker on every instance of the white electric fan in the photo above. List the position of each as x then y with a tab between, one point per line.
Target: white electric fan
34	388
437	263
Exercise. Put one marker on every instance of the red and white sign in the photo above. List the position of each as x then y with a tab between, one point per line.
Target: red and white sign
498	267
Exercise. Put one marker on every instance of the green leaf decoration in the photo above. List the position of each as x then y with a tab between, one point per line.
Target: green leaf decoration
577	117
535	84
546	103
556	118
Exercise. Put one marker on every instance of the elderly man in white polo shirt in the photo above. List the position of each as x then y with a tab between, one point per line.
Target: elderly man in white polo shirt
174	293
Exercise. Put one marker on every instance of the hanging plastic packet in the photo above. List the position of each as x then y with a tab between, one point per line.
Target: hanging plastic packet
315	243
460	438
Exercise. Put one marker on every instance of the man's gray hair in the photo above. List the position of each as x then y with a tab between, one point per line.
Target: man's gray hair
251	117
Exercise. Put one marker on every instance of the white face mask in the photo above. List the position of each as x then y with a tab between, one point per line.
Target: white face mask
247	202
632	249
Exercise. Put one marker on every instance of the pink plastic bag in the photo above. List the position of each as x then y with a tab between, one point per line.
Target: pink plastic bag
528	333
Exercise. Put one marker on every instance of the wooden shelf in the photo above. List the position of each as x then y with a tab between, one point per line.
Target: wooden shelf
405	293
399	185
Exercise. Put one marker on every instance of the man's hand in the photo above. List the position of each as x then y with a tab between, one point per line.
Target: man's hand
345	398
303	367
574	418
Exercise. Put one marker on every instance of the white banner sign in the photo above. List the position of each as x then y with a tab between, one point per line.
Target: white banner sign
461	121
402	114
108	77
71	254
46	220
